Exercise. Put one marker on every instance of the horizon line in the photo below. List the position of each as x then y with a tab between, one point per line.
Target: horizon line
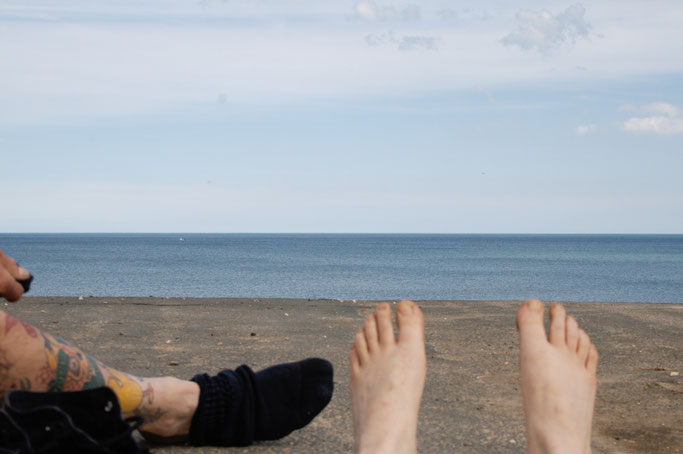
340	233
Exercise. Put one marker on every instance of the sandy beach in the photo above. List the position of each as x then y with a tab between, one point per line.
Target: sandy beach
471	402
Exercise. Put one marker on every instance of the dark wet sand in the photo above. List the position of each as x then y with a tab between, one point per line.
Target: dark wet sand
471	402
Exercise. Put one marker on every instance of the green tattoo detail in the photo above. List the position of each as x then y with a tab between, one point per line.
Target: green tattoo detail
96	378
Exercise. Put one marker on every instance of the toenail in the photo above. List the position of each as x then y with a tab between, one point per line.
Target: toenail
535	305
383	306
405	308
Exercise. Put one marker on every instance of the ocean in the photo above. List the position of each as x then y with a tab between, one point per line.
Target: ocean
606	268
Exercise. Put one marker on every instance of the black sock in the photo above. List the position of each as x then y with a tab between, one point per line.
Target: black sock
239	407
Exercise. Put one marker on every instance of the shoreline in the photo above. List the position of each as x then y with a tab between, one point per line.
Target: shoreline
471	402
338	300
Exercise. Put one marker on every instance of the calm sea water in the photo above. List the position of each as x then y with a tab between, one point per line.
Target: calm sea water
645	268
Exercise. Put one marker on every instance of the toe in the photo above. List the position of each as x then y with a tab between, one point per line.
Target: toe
592	361
371	334
572	333
530	322
558	318
360	346
410	322
584	346
384	325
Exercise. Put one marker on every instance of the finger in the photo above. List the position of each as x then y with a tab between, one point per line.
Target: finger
10	289
18	272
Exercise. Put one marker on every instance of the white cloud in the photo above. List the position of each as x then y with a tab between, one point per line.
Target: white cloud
654	125
668	122
544	32
378	39
586	129
371	12
405	43
448	14
417	43
662	108
411	13
76	59
366	10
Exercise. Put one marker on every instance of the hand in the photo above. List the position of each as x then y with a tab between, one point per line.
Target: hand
10	289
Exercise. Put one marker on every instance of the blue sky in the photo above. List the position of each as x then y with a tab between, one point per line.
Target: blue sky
341	116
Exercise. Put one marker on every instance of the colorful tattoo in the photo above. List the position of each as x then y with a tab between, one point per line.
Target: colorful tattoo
129	391
23	383
11	321
69	369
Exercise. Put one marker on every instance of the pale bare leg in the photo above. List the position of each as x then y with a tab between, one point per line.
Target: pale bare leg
387	380
558	381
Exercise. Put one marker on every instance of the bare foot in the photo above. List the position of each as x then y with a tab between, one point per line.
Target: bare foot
387	380
558	380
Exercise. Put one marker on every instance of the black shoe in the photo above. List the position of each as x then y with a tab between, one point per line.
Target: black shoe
87	422
237	408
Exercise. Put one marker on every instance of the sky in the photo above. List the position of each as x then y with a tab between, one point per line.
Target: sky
341	116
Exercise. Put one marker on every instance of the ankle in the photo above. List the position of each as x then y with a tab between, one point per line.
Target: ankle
388	444
550	445
176	401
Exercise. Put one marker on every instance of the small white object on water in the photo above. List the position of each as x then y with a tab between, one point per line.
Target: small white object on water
80	298
286	314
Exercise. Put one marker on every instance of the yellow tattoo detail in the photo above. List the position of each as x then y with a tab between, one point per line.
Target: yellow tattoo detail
129	391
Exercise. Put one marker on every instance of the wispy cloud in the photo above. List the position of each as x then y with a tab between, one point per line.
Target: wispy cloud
77	59
654	125
583	130
372	12
662	108
404	43
665	121
448	14
544	32
417	43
